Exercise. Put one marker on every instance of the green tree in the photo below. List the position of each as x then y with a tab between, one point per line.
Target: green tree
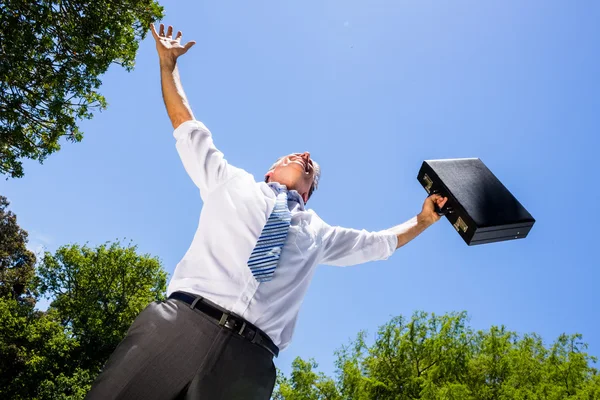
98	292
17	263
434	357
53	53
35	354
305	383
95	294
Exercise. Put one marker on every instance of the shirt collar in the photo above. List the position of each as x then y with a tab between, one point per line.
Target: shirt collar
293	195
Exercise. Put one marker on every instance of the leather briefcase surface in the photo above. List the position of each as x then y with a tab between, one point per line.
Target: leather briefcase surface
479	206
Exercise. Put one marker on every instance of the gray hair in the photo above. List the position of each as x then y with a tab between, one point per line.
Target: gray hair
317	176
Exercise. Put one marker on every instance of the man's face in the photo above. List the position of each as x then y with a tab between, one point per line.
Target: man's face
296	171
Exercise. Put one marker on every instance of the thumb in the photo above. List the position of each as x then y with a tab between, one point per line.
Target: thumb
189	45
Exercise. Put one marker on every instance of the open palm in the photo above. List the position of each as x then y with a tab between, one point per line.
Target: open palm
169	48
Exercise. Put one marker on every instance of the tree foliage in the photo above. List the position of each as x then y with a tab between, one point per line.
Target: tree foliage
98	293
440	357
95	295
35	354
53	53
17	263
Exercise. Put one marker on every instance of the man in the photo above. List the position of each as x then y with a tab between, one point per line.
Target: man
235	295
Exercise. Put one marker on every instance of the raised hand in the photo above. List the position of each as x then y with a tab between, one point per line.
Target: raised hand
169	48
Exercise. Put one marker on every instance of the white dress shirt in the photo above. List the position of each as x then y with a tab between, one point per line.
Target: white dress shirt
235	210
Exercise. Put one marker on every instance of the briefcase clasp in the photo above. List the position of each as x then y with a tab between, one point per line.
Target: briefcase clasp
428	183
460	225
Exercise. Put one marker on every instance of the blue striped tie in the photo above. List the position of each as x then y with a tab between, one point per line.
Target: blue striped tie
265	256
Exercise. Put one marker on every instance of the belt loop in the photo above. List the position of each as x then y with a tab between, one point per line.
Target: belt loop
257	339
196	300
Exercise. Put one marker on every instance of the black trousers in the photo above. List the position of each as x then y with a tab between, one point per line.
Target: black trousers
174	352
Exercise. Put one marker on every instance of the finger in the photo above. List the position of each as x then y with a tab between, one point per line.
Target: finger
162	30
442	202
169	32
153	29
178	36
189	45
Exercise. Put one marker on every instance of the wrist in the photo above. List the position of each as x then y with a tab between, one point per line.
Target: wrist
424	220
167	63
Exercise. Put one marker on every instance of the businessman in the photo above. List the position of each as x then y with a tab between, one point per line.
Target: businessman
235	295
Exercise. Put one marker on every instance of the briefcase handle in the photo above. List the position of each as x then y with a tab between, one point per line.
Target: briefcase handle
444	210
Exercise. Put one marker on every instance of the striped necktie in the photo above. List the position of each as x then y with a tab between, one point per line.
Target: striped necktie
265	256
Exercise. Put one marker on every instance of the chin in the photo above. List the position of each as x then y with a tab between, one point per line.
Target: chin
289	179
293	178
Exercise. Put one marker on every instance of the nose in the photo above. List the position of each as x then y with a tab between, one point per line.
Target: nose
305	156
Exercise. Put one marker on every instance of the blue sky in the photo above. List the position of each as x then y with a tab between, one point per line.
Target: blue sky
371	89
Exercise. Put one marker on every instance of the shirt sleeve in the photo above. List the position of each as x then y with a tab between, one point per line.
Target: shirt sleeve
344	247
203	162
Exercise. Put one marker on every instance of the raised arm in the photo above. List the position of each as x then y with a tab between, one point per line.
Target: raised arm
203	162
169	49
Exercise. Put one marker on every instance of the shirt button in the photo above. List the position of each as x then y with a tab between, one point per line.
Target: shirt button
245	298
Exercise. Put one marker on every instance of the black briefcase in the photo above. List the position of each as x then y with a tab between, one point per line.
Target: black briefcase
479	206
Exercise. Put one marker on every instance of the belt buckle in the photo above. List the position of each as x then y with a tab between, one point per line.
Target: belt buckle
256	338
224	321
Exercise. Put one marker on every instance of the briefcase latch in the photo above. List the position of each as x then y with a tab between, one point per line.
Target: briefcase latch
460	225
428	183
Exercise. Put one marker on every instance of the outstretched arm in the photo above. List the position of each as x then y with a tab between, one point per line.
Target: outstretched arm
344	246
416	225
169	49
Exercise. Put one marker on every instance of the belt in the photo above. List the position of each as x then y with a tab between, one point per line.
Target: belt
228	320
